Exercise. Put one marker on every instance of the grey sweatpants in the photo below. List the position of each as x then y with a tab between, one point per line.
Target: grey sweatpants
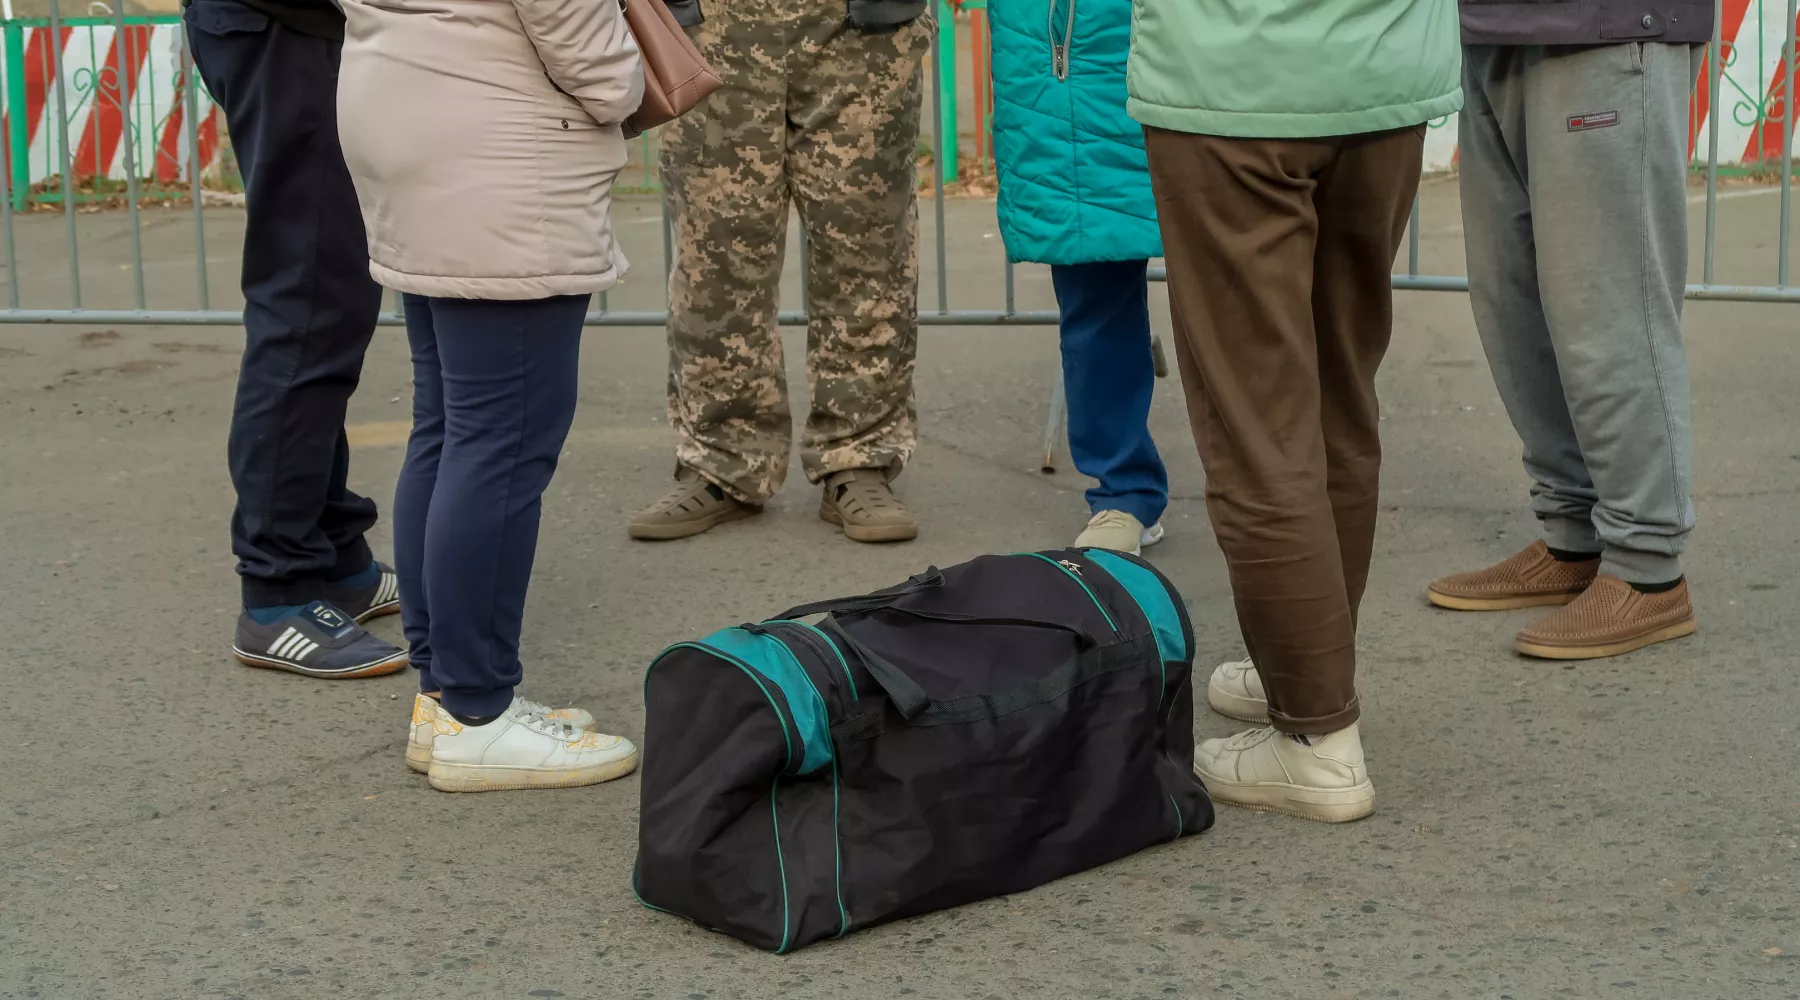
1573	169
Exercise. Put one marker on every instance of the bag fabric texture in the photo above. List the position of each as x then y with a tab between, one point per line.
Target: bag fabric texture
970	733
676	77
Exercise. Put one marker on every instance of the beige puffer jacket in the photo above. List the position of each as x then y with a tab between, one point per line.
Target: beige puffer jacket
483	137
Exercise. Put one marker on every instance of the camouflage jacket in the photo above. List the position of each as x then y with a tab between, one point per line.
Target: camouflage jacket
869	15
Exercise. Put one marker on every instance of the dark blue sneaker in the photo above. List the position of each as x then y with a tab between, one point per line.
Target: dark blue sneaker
318	641
363	603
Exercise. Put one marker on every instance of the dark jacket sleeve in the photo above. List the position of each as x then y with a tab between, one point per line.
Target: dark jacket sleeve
687	12
880	16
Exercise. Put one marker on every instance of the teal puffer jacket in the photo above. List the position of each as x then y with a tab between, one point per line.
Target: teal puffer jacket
1074	187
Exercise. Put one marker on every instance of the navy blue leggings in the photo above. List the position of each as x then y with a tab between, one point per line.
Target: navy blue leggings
493	396
1109	375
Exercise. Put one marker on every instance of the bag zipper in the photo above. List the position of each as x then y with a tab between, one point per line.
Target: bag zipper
1071	574
814	638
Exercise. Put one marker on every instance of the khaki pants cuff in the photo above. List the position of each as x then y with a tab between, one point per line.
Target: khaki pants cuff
735	492
1322	725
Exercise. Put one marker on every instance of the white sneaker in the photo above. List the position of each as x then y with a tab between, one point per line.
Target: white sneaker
1235	691
1118	531
425	726
522	749
1263	769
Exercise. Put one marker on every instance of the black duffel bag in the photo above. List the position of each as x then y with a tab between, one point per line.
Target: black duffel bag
972	732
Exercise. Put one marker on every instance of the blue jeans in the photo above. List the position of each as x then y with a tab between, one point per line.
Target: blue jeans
1108	376
493	398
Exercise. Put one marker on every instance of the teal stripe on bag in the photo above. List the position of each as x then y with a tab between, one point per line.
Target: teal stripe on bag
770	657
1157	603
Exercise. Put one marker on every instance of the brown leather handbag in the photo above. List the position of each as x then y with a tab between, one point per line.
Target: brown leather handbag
676	78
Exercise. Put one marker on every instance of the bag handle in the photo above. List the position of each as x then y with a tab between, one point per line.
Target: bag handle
931	578
1085	637
908	698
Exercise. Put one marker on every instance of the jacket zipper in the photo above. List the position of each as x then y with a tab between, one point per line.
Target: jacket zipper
1059	50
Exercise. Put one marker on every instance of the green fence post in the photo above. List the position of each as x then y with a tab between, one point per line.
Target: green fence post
18	150
947	88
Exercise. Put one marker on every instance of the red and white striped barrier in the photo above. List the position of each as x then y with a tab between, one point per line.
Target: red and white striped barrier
103	74
1752	94
1750	106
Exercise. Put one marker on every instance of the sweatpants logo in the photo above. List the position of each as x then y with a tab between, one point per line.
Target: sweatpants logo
1593	119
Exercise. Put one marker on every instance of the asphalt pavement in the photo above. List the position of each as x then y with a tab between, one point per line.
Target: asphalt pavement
175	825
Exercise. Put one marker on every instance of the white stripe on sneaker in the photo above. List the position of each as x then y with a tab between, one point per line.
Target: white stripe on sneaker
306	648
287	640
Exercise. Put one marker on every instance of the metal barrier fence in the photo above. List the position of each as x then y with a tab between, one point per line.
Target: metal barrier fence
170	146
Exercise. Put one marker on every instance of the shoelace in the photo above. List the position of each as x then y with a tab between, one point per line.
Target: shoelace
556	730
1238	668
1248	738
1110	519
535	707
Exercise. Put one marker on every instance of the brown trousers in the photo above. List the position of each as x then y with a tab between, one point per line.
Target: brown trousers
1279	254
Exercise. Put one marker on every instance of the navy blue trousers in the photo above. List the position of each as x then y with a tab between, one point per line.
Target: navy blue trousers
309	305
1108	377
494	388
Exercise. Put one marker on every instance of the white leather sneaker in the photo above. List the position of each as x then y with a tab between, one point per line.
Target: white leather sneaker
522	749
1118	531
1235	691
1263	769
425	726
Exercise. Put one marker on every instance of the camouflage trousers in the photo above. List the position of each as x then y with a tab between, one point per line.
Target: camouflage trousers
815	111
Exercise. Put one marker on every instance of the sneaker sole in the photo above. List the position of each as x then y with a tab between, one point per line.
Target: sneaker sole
391	665
1324	806
418	756
494	778
870	533
1236	706
1151	536
1512	603
1600	652
380	610
687	529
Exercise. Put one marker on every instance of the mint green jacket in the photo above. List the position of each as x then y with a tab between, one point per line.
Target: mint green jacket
1293	69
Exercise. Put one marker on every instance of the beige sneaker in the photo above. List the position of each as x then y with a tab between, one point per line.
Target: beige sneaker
694	506
862	502
1118	531
1532	578
1235	691
1610	618
522	749
425	725
1263	769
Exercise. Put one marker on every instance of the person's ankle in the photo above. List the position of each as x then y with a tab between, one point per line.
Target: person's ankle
269	614
368	576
